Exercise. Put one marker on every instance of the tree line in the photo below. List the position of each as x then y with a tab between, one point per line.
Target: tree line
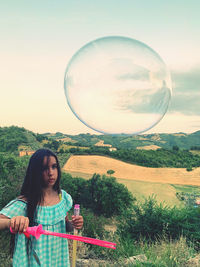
172	158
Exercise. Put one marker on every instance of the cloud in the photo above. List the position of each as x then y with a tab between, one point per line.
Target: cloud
142	91
186	92
185	98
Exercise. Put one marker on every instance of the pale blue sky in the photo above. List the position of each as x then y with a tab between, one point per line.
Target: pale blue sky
38	38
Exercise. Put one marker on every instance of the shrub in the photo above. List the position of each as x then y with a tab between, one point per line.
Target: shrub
151	222
103	195
108	197
12	172
93	225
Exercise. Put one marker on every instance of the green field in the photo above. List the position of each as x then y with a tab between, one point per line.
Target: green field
164	193
190	189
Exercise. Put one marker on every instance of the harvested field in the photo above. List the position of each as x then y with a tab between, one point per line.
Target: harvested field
151	147
99	164
165	193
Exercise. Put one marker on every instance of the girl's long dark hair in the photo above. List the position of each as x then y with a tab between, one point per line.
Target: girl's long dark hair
32	188
33	185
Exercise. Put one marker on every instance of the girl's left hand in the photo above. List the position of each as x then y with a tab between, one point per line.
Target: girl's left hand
77	221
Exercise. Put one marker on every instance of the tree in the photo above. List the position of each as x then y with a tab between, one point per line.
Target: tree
103	195
12	172
175	148
108	197
110	172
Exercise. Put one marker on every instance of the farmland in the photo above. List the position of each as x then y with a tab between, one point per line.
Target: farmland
141	181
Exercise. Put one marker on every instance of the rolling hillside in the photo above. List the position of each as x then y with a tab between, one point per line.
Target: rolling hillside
163	140
11	138
143	182
99	164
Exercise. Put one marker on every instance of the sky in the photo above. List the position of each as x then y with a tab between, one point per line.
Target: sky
38	39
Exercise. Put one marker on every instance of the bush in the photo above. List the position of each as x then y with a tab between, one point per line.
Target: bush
12	172
103	195
151	222
189	169
77	188
108	197
93	225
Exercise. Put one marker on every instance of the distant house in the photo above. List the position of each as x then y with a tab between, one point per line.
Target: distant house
112	149
197	202
101	143
26	153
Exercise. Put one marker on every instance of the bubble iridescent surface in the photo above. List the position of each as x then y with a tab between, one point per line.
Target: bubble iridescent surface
117	85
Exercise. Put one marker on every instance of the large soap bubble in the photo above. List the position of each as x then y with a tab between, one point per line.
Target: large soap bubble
117	85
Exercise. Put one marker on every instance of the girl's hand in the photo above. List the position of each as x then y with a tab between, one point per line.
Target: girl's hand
19	224
77	222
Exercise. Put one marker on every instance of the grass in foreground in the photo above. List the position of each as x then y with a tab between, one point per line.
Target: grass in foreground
168	253
159	254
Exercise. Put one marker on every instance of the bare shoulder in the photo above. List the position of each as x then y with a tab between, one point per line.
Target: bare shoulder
22	198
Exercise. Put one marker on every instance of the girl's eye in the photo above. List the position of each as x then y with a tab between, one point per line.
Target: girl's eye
54	166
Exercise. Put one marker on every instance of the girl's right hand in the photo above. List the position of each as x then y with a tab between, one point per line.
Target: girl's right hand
19	224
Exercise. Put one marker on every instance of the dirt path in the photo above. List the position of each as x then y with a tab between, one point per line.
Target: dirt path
100	164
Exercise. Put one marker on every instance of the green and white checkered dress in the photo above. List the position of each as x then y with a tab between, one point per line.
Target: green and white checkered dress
47	251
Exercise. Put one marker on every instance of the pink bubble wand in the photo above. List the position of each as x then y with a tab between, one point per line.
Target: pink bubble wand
37	231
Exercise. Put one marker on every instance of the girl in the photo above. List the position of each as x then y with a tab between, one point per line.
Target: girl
41	202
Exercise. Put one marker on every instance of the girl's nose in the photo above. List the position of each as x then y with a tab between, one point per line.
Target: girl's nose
50	171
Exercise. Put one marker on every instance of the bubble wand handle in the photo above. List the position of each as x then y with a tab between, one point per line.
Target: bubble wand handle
37	231
82	239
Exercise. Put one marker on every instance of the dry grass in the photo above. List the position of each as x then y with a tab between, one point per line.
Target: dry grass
66	139
100	164
142	190
151	147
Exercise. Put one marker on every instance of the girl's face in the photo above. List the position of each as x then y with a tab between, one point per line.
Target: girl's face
50	171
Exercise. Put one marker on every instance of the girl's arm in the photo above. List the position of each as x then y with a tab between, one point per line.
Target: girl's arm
4	222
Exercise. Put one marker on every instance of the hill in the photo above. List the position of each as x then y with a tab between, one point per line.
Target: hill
142	182
153	169
167	141
11	138
87	165
15	139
